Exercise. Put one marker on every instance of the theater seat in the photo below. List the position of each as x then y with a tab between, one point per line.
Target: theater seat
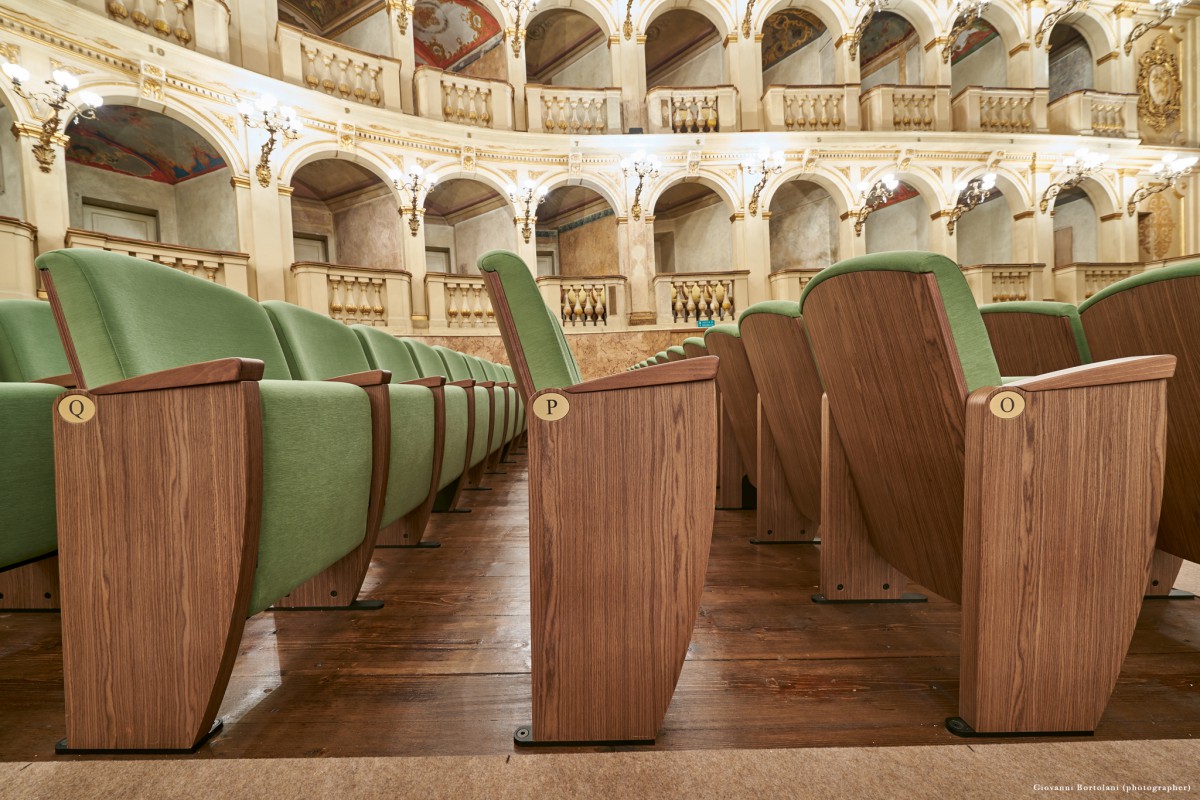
197	485
738	397
1030	338
693	346
1032	504
617	555
459	371
675	353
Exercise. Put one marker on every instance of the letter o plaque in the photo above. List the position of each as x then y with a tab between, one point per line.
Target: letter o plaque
76	408
551	406
1007	405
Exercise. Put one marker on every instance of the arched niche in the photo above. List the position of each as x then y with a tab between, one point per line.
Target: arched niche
985	234
576	234
1071	61
565	47
344	213
1076	228
693	231
900	224
890	52
12	200
140	174
979	57
465	218
684	48
797	49
803	227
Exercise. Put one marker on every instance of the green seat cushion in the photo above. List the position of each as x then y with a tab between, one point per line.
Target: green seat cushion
723	330
1187	269
27	518
966	323
1047	309
539	331
783	308
698	341
475	365
316	482
457	368
410	467
317	347
428	362
676	349
483	416
660	356
454	445
128	317
30	348
385	351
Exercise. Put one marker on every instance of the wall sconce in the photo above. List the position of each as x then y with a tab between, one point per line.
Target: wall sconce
414	183
403	9
517	31
644	167
746	19
768	164
61	84
276	121
872	197
970	195
526	199
873	8
1165	174
1166	10
627	28
1078	167
967	12
1051	19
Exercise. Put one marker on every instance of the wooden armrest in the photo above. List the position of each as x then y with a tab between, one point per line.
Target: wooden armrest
372	377
465	384
1119	370
702	368
485	384
66	380
222	370
432	383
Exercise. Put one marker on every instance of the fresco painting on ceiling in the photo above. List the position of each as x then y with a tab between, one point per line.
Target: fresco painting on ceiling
885	32
143	144
979	33
446	32
787	31
322	12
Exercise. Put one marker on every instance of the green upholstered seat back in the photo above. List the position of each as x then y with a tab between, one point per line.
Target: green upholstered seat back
493	373
128	317
540	340
456	364
722	330
30	348
1186	269
427	359
784	308
385	351
475	365
676	349
316	347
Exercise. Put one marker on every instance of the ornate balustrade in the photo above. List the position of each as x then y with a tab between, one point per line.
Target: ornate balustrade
905	108
690	298
1074	283
692	109
18	248
566	109
338	70
201	25
458	301
587	301
219	266
1090	113
811	108
376	296
788	284
1000	110
458	98
1001	283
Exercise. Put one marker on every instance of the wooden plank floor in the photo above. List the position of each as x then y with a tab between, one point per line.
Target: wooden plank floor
443	669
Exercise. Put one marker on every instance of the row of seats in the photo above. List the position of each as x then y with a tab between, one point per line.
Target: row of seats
218	457
875	407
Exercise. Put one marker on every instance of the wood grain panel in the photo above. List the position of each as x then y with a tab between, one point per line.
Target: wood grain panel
730	470
778	518
739	397
1030	344
1056	559
30	587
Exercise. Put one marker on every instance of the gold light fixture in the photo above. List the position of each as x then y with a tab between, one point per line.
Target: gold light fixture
873	196
873	8
969	196
526	199
1051	19
644	167
52	128
746	19
966	14
1078	166
416	184
516	32
1165	10
277	121
403	9
768	164
627	28
1164	174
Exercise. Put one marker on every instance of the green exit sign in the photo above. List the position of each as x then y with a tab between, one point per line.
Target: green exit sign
705	323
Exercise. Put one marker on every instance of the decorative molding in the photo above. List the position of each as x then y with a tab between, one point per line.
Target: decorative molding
1158	86
151	78
347	139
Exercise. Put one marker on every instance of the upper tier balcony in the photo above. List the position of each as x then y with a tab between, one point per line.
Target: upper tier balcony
692	109
1000	110
572	110
338	70
906	108
811	108
1091	113
477	102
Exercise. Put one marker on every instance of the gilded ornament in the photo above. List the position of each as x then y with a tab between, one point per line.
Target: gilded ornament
1158	86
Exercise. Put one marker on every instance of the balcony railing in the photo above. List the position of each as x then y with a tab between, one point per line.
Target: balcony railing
338	70
692	109
219	266
201	25
1090	113
379	297
788	284
811	108
693	298
18	247
566	109
1000	110
458	301
1002	283
1074	283
468	101
905	108
587	301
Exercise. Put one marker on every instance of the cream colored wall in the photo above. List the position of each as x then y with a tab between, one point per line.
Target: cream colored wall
11	202
314	218
113	187
206	212
811	64
591	70
491	64
475	236
371	35
368	233
987	66
705	68
803	227
985	234
890	73
903	226
590	249
703	239
441	236
1080	215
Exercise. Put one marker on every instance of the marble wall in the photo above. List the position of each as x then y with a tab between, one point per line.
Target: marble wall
702	239
901	226
368	233
985	234
207	212
475	236
1070	69
590	249
803	227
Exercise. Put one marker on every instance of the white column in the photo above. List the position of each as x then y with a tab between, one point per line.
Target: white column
629	73
413	261
743	58
252	36
400	27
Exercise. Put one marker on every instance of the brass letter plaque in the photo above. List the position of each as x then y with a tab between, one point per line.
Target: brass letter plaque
550	406
1007	405
76	408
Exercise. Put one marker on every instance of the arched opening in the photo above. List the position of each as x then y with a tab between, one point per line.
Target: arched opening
683	48
803	227
978	58
464	219
902	223
985	234
576	234
1070	62
566	48
139	174
692	230
797	49
343	213
890	52
12	201
1076	228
